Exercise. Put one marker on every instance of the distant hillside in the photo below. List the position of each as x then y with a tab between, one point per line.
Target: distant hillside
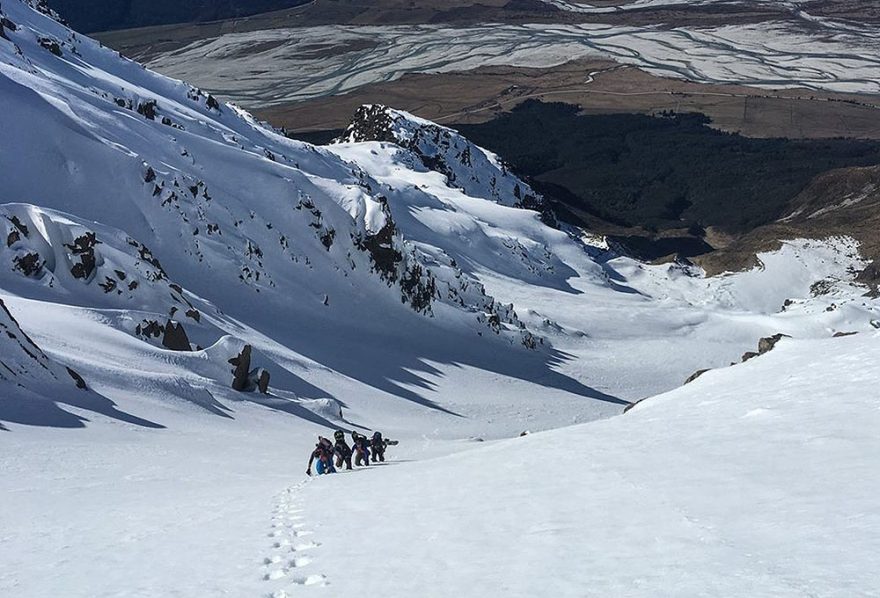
105	15
666	172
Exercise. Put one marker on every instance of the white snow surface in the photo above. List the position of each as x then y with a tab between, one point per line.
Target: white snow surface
161	480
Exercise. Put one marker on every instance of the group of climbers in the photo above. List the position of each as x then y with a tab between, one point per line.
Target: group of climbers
328	456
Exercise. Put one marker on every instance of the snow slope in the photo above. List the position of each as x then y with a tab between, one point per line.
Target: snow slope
383	285
759	480
154	200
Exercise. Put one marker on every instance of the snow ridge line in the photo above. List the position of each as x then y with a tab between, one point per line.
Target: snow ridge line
290	546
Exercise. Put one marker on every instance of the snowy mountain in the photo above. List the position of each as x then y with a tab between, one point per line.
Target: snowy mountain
190	190
473	170
181	224
203	296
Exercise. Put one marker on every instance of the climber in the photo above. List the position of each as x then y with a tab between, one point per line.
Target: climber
361	447
378	444
323	453
342	450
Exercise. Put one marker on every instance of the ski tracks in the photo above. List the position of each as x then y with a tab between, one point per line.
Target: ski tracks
288	564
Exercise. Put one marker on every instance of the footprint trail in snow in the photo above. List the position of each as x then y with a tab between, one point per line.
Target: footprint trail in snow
288	564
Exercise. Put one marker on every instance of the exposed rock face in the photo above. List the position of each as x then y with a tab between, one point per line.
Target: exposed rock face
466	166
695	375
83	248
764	345
78	380
175	338
263	381
242	365
245	379
25	365
768	343
52	45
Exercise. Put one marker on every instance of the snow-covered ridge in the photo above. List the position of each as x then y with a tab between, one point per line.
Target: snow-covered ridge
131	191
149	224
476	171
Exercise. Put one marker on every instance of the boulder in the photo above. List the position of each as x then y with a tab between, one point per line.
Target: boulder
695	375
748	355
263	381
768	343
175	338
242	364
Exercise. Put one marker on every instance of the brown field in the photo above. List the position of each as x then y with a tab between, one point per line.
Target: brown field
477	96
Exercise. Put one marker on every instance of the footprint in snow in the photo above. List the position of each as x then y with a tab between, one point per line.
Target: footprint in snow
287	531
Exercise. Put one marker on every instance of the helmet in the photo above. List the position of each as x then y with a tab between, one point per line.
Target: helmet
338	435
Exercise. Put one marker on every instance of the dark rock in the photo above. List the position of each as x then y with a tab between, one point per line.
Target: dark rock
175	338
29	264
263	381
19	225
109	285
51	45
212	103
748	355
327	237
80	383
242	364
382	252
5	22
841	334
149	329
768	343
83	247
194	314
150	175
691	379
695	375
13	238
148	109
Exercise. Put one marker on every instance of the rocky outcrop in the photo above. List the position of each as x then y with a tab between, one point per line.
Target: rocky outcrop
693	376
83	249
245	379
765	345
173	334
768	343
466	166
174	337
242	365
25	365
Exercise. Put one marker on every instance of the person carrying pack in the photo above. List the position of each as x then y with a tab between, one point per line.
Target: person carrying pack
377	443
361	448
323	454
342	450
